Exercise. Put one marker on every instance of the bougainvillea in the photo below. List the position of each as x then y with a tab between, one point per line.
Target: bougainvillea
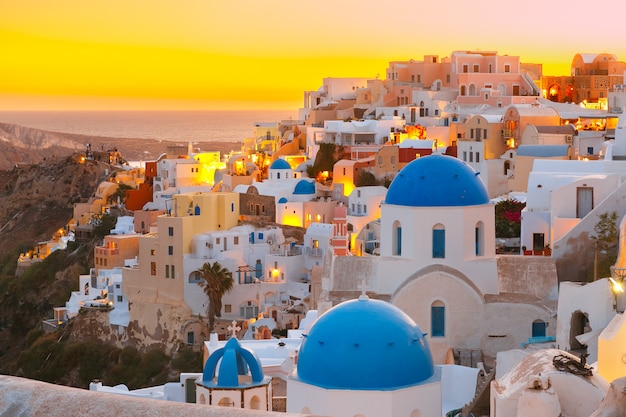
509	218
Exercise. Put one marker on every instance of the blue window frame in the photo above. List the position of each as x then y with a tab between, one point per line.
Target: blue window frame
439	243
437	321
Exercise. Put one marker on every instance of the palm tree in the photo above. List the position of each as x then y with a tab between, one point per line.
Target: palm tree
217	282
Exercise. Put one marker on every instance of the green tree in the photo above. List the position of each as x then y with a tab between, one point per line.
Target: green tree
366	178
217	281
120	194
606	240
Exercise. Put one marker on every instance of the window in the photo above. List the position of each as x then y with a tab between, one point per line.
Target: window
170	250
120	298
419	78
191	338
464	156
479	239
465	68
152	268
173	271
485	134
471	155
397	241
228	308
218	240
448	78
236	240
507	68
477	157
232	207
476	68
170	231
439	241
167	271
152	252
437	319
195	277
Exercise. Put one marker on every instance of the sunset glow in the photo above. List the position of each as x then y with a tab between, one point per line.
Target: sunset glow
199	54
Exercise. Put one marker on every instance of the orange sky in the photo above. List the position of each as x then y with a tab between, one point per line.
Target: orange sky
218	54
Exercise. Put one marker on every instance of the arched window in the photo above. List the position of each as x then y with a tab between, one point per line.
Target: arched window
479	236
437	319
439	241
463	90
472	90
397	238
195	277
226	402
507	167
255	403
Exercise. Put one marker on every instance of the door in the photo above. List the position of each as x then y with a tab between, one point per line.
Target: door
584	201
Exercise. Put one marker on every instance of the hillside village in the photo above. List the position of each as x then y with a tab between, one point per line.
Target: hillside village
381	196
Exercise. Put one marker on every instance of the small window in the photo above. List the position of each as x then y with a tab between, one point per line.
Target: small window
507	68
228	308
438	319
236	240
218	240
167	271
465	68
120	298
439	242
152	252
476	68
170	231
477	157
173	271
152	268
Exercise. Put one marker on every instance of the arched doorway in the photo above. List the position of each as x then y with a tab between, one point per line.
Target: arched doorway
579	324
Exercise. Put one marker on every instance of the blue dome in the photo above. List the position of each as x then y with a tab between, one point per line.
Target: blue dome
280	164
282	200
437	181
235	361
304	187
364	345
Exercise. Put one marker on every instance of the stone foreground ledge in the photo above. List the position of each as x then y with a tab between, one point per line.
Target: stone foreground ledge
26	397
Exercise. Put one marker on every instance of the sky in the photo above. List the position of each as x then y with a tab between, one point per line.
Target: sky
253	54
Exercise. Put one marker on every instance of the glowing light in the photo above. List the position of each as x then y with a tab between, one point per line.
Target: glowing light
616	286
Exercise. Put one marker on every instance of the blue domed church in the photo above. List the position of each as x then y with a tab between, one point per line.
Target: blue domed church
365	357
233	377
438	264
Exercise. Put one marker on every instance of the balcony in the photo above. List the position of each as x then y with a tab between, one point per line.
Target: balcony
314	251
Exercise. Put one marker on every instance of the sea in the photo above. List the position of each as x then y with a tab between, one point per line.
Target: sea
195	126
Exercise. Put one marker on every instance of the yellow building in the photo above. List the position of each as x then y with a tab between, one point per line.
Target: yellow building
158	279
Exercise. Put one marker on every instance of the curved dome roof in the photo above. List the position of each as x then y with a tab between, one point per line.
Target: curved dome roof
227	364
304	187
364	345
437	181
280	164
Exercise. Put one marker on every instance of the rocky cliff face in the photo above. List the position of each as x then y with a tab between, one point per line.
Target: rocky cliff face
23	145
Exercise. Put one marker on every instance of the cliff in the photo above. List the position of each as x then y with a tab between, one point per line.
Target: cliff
24	145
